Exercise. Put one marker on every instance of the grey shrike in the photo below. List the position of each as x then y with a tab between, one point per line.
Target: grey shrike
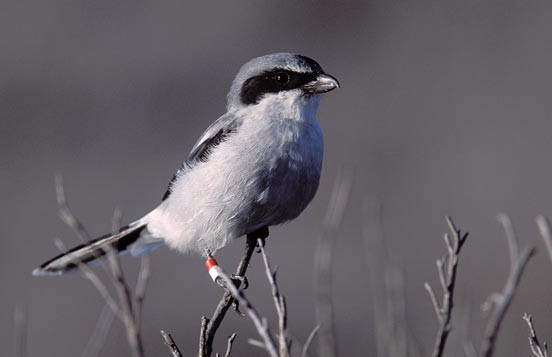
258	165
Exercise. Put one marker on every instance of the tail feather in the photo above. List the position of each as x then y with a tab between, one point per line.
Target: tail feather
90	251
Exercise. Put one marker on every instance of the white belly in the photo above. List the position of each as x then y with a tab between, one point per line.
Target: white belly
264	174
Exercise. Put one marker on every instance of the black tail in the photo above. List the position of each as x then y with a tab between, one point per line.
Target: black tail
90	251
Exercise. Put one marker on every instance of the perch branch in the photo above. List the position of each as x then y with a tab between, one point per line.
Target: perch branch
261	324
226	301
446	267
534	343
502	301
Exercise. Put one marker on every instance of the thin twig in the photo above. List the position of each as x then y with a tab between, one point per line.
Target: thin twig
546	233
446	268
503	300
20	322
256	343
227	300
126	304
261	324
126	299
65	213
173	348
97	340
141	286
125	310
279	301
95	280
323	261
534	343
67	217
434	301
307	344
203	338
229	343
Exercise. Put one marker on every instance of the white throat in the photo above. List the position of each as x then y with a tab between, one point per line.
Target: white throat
287	105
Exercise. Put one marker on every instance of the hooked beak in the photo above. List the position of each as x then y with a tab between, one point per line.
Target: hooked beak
322	84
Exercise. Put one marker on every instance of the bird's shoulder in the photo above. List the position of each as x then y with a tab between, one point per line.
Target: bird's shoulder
219	131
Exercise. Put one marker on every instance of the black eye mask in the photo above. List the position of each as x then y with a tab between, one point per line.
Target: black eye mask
273	81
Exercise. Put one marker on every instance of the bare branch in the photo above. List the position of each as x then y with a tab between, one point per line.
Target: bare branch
534	342
261	324
511	237
446	268
173	348
227	300
65	213
231	339
256	343
95	280
434	301
141	286
503	300
67	217
279	301
97	340
323	261
125	310
311	337
202	337
546	233
126	305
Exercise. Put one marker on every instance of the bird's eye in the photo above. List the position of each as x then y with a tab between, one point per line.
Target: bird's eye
282	78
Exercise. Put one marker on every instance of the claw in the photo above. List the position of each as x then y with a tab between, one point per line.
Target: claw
242	279
236	307
258	246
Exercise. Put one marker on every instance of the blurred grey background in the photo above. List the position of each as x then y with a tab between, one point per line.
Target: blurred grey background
444	108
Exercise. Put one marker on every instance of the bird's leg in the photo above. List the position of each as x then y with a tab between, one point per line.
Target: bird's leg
241	279
215	270
226	300
261	233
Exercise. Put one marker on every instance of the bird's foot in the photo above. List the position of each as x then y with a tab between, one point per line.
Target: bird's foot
238	280
236	307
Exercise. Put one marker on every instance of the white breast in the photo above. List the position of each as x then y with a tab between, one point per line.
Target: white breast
263	175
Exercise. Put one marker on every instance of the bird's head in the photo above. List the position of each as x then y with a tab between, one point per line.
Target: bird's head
280	83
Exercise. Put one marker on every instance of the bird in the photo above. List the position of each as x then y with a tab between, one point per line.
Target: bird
256	166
